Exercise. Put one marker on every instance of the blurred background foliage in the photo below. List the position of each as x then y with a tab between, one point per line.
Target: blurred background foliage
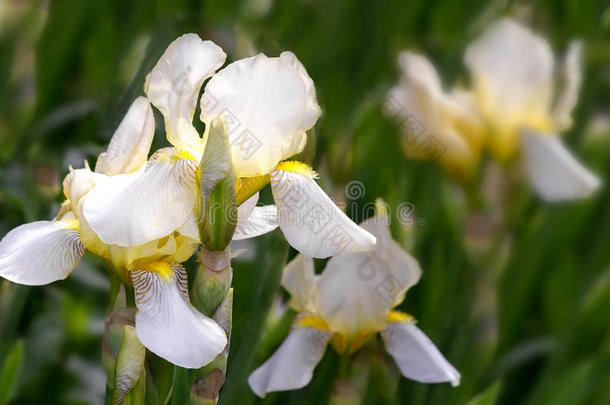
514	292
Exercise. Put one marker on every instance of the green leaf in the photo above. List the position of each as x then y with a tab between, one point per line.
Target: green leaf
11	370
487	397
243	354
182	386
162	374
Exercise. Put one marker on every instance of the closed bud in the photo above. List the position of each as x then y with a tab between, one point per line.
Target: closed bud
129	371
218	214
212	279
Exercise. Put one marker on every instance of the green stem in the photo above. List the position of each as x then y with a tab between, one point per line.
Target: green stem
130	299
115	289
344	366
213	296
274	259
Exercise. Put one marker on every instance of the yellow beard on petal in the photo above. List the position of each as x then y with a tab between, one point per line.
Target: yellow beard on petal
183	154
161	268
297	167
397	316
312	322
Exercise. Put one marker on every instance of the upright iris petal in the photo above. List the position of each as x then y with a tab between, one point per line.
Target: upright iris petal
174	83
512	71
268	104
129	146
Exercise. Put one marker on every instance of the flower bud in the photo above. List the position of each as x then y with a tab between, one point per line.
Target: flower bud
218	215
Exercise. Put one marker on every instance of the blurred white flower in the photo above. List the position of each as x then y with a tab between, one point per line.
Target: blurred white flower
347	304
526	98
520	99
436	124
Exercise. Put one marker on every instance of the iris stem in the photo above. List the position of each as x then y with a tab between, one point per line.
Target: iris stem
130	300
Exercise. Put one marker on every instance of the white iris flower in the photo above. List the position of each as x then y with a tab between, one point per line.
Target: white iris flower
268	104
45	251
347	304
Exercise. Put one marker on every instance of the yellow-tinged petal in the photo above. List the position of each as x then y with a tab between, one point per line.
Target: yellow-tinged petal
246	187
512	72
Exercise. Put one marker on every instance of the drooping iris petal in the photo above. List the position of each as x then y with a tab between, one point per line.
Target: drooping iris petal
553	171
416	356
512	72
41	252
133	209
571	77
299	279
129	146
310	220
174	83
167	324
404	269
291	366
253	221
268	104
356	292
